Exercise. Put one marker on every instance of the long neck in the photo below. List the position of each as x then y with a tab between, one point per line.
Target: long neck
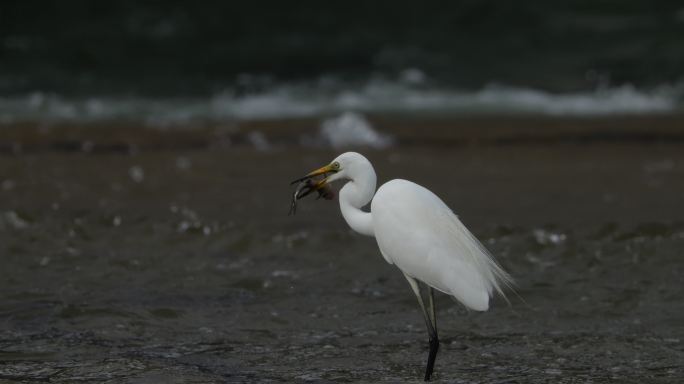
355	195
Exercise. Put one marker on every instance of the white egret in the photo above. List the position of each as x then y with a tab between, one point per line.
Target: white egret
419	234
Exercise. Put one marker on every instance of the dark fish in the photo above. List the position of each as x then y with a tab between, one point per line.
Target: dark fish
304	188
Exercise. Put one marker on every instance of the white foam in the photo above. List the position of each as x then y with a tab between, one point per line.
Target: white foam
604	101
258	140
136	173
409	94
351	129
544	237
13	220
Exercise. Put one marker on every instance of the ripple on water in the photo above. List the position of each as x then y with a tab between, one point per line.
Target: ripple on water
166	313
72	311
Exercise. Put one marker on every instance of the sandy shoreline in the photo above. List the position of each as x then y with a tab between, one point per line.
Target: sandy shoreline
407	131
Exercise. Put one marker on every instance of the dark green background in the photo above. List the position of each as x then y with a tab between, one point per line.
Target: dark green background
181	47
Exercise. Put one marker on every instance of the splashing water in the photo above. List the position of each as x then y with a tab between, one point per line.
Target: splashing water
352	129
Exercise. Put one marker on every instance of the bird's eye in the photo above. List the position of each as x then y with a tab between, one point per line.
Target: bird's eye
336	165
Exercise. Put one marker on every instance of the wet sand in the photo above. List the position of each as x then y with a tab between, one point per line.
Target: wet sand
172	258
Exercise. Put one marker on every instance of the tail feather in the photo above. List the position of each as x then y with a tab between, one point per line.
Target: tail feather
496	278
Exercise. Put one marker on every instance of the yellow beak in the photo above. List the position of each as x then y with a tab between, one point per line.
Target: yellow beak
320	171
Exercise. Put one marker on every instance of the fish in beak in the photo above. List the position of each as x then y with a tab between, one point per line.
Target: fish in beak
306	185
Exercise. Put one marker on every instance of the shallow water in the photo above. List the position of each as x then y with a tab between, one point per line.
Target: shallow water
183	266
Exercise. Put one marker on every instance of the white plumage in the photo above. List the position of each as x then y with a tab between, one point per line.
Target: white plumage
419	234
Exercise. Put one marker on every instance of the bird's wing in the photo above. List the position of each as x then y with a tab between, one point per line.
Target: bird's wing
473	268
424	238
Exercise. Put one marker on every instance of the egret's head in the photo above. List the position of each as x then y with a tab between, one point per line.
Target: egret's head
344	167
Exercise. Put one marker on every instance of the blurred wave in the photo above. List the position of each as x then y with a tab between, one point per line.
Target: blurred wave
351	129
327	97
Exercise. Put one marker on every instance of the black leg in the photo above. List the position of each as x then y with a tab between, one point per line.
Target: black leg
434	339
430	322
